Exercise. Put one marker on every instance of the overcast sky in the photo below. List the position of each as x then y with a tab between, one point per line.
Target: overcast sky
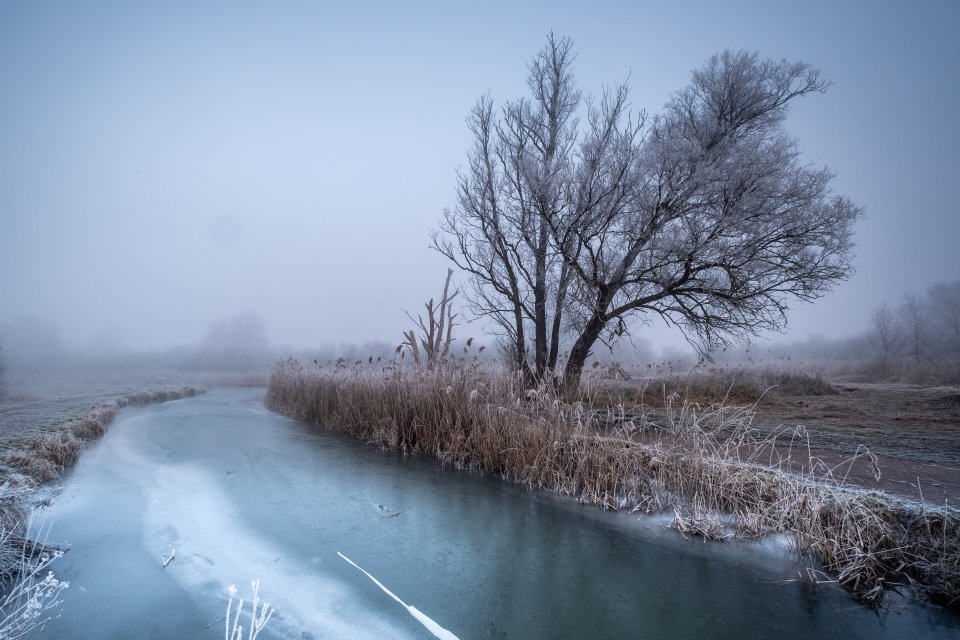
163	165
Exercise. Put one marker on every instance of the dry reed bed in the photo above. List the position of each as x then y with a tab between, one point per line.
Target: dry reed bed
471	419
44	457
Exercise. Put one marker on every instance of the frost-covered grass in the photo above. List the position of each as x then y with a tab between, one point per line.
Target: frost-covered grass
706	464
29	591
33	453
260	614
31	601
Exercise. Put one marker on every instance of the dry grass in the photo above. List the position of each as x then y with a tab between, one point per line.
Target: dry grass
44	457
737	384
13	514
703	462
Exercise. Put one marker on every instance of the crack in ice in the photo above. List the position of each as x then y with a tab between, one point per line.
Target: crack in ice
421	617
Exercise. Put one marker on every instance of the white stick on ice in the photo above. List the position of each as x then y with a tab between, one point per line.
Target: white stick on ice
167	558
421	617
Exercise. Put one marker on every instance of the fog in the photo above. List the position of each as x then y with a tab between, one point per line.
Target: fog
168	169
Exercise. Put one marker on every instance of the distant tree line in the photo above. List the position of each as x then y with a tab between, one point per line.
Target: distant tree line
34	348
918	339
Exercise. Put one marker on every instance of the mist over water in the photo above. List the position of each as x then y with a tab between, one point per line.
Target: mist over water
241	493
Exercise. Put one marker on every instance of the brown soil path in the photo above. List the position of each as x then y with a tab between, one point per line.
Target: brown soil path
913	430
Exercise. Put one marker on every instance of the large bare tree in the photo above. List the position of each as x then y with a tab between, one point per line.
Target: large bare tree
703	215
515	183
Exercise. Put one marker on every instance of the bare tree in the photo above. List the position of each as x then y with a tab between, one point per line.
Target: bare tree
703	215
242	332
3	387
436	332
885	337
516	180
944	303
913	315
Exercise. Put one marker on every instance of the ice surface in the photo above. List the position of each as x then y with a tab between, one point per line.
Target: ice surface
182	505
421	617
186	509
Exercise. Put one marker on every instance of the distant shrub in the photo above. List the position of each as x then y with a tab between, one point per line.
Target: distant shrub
798	383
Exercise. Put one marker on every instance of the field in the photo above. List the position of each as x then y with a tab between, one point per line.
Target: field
913	430
44	428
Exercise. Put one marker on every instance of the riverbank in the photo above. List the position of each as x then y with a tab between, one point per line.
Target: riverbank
42	437
704	464
913	431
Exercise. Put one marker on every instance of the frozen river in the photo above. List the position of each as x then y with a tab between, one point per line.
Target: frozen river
241	493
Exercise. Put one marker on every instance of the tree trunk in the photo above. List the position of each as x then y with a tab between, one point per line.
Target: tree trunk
579	354
540	303
520	346
557	321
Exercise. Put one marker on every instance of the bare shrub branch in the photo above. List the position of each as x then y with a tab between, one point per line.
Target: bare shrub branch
436	332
